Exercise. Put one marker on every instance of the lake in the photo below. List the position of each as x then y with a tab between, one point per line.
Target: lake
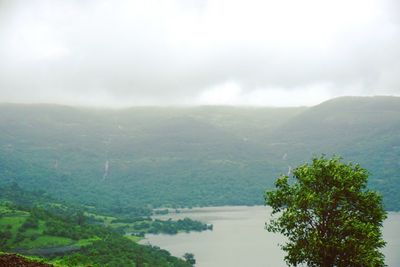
239	239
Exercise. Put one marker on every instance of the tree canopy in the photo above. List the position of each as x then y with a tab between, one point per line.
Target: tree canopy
328	215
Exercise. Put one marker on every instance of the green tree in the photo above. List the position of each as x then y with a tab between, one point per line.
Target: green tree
80	218
328	215
189	258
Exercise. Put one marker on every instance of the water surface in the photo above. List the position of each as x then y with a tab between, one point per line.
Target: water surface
239	238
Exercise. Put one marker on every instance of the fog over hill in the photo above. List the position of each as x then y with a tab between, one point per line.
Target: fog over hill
128	52
187	156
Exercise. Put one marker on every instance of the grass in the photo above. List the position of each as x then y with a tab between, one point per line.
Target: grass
14	223
41	241
39	230
4	209
35	238
38	239
134	238
46	241
88	241
116	225
107	220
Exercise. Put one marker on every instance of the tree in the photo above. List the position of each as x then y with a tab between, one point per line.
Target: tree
328	215
80	218
189	258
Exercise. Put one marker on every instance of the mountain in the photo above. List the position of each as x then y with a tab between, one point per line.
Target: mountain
169	156
365	130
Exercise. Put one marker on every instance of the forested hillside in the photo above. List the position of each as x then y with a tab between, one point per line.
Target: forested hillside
31	223
118	160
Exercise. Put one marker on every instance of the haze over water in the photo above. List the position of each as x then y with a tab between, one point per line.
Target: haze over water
239	238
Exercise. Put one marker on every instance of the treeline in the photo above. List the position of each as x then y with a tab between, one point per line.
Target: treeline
170	227
117	251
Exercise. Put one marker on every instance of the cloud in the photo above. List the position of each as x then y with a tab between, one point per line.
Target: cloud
122	53
230	93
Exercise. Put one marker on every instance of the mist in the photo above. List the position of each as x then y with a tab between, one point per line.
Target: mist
253	53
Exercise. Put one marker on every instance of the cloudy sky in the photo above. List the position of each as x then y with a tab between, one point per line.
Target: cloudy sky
192	52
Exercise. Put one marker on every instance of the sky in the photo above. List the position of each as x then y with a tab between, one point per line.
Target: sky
119	53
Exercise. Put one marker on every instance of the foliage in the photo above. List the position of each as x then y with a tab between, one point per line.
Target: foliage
31	222
328	215
65	149
173	227
141	226
189	258
200	156
55	229
117	251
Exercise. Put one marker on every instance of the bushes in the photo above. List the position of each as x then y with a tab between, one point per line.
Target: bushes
4	236
31	222
117	251
71	230
173	227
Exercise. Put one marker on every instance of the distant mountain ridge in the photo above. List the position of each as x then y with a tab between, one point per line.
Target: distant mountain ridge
190	156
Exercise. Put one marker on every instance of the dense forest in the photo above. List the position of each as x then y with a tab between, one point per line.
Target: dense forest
128	161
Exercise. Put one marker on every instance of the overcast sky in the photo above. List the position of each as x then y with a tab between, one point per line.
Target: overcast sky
193	52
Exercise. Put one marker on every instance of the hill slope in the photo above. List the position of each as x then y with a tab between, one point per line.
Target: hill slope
191	156
31	223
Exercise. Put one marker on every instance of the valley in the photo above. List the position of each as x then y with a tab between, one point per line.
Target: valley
80	184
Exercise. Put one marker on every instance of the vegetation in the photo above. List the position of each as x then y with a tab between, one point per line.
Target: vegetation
117	251
328	215
173	227
189	257
68	237
104	171
201	156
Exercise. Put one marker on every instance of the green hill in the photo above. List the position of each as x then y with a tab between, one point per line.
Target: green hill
365	130
31	223
167	156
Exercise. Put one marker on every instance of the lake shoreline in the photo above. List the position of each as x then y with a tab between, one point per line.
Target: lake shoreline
239	233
